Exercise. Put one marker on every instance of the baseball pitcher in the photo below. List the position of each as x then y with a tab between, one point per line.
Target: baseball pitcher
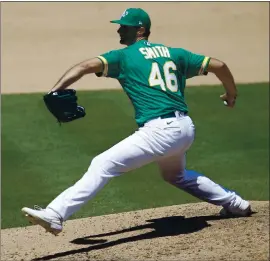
154	78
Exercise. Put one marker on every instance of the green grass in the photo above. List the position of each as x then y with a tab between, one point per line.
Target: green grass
40	159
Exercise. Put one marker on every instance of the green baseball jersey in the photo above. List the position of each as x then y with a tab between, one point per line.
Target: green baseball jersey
153	76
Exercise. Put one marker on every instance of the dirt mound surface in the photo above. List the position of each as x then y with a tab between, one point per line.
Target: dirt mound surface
181	232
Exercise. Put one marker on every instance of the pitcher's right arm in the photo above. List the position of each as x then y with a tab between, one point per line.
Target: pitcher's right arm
192	64
223	73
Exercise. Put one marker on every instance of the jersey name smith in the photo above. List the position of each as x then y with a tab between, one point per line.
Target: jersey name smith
155	52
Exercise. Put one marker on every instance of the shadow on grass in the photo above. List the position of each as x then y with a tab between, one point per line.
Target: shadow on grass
162	227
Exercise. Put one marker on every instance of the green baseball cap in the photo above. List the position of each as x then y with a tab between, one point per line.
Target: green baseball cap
134	17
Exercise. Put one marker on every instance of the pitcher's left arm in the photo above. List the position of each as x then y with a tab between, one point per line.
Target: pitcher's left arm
72	75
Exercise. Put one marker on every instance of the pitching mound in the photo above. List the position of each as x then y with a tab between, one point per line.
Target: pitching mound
182	232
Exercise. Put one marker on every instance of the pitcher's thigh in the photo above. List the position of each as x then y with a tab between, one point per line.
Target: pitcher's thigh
130	153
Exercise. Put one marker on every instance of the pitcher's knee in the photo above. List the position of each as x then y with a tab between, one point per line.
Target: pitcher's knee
102	166
98	165
168	179
173	178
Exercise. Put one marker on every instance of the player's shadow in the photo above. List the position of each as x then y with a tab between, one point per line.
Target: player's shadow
161	227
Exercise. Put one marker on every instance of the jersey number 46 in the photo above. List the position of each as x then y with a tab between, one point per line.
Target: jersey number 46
169	81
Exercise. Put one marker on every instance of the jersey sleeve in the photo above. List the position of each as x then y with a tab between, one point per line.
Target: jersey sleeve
192	64
111	64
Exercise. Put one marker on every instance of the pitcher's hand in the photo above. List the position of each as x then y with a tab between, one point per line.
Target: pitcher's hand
228	99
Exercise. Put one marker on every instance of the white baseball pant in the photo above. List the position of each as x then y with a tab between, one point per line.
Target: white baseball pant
162	140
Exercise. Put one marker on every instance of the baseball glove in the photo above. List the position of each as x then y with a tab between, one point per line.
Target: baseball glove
63	105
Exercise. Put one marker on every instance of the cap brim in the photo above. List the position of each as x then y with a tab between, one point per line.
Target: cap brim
122	23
